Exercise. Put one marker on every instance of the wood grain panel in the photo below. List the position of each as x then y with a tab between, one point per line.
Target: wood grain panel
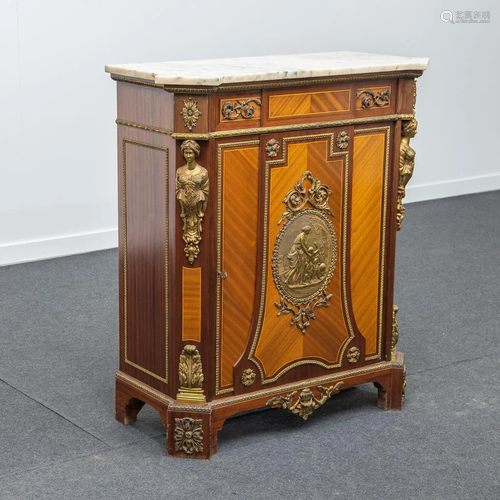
407	94
280	343
239	169
145	105
191	304
145	239
309	103
366	227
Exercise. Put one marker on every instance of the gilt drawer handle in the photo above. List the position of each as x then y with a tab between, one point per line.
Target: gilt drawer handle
371	99
232	110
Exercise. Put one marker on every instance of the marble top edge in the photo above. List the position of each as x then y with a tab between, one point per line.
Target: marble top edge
215	72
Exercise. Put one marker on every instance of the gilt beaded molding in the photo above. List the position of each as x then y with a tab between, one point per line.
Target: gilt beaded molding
266	130
292	127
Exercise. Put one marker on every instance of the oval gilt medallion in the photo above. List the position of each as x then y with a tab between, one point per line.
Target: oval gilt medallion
304	256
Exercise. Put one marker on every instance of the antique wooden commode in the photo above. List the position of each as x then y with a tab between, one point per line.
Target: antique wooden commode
259	204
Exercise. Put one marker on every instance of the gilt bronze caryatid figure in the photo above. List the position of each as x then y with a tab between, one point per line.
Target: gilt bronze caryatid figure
406	166
191	187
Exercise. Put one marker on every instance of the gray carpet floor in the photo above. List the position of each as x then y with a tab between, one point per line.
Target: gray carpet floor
59	353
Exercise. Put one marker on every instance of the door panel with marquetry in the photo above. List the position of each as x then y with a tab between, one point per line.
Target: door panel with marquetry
302	319
370	231
237	237
301	266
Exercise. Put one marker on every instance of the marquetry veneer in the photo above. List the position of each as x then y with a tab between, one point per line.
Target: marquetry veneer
257	244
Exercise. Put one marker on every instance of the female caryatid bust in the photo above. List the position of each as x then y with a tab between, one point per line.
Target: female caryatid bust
406	165
191	187
407	153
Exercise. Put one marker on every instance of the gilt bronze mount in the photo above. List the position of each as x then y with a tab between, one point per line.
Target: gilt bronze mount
305	252
243	108
406	166
190	113
191	187
371	98
307	402
190	376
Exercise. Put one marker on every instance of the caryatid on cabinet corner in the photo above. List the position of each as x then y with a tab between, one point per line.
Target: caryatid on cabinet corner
191	188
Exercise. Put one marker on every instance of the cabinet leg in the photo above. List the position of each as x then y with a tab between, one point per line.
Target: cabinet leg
126	406
191	435
391	390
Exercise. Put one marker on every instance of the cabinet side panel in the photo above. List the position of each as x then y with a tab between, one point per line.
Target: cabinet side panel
144	106
369	162
145	171
239	175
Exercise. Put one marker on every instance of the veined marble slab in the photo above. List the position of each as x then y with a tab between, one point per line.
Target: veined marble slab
214	72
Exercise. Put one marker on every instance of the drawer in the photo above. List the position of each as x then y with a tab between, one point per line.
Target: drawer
375	98
236	110
307	104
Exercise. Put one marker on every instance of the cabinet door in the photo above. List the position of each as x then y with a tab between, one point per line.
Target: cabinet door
373	186
302	240
237	243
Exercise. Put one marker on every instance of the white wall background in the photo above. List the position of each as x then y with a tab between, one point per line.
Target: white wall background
58	192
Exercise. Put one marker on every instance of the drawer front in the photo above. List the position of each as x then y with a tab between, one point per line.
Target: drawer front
237	110
306	105
375	98
309	104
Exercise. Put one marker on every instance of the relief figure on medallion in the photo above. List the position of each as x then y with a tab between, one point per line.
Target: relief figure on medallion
191	188
307	267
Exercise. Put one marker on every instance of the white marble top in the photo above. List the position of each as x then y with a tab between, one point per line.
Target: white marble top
214	72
